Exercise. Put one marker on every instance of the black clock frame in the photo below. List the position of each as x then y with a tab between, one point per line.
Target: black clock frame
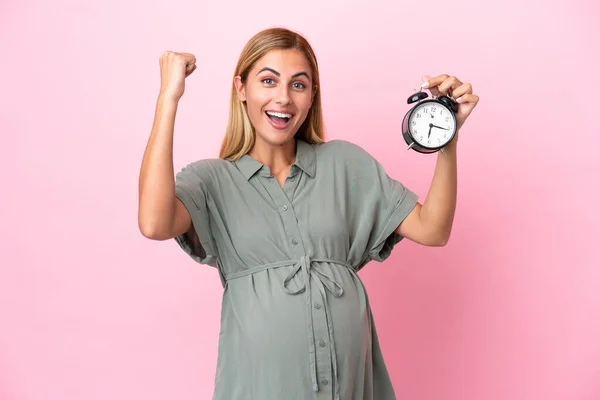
443	101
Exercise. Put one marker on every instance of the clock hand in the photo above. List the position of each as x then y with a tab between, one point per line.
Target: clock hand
429	133
435	126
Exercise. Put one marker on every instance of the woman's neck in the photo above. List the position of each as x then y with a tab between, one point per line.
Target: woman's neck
278	158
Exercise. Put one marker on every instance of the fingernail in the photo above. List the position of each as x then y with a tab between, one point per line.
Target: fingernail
458	100
424	85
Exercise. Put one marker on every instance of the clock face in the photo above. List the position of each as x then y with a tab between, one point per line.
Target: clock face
431	124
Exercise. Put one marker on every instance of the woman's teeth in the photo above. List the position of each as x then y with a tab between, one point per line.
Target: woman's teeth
280	115
279	118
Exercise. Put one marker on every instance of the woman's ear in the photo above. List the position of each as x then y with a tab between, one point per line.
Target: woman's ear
240	88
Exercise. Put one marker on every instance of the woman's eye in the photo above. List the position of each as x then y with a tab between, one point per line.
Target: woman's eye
296	85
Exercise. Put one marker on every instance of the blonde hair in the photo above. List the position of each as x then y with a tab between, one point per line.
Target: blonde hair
239	135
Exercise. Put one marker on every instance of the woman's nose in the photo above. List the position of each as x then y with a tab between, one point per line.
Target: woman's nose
283	95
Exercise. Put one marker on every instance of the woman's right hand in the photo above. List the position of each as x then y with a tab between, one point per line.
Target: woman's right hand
174	68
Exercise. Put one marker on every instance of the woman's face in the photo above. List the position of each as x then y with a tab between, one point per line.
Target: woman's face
278	94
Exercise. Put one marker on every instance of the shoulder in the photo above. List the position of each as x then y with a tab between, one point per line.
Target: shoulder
338	146
344	152
205	170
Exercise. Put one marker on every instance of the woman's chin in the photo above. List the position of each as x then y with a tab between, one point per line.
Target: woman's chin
275	137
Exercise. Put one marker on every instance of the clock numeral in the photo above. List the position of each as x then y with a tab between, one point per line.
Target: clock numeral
414	122
418	115
446	119
433	109
426	110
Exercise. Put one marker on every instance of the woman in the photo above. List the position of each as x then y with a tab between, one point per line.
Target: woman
288	219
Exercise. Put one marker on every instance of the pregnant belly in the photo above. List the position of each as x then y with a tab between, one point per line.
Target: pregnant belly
262	323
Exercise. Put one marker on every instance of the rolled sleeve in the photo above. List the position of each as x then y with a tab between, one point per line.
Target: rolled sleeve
190	189
400	202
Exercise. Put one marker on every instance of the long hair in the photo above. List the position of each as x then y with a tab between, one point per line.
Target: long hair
239	135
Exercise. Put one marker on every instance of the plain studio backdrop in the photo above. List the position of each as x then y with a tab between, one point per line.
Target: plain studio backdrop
509	309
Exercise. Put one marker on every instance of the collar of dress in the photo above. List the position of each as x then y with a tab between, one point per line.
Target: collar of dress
305	160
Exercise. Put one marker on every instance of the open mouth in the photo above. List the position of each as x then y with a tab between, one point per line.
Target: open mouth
278	120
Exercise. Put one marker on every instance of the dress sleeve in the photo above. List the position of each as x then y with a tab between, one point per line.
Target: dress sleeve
192	191
397	201
379	204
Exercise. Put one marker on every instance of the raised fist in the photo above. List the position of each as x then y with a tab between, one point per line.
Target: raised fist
174	68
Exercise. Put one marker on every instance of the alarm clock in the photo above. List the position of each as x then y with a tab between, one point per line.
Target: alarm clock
430	124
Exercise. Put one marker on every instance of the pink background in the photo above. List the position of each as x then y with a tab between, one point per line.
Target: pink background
509	309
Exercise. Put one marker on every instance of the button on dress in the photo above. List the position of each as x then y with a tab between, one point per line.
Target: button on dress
295	320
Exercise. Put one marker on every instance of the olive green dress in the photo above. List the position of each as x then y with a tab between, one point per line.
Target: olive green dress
295	320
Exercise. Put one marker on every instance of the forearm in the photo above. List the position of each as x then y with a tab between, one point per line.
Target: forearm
156	181
437	213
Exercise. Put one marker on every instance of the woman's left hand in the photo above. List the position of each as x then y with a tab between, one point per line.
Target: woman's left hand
461	92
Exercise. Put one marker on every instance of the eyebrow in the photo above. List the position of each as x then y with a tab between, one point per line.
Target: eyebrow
278	74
